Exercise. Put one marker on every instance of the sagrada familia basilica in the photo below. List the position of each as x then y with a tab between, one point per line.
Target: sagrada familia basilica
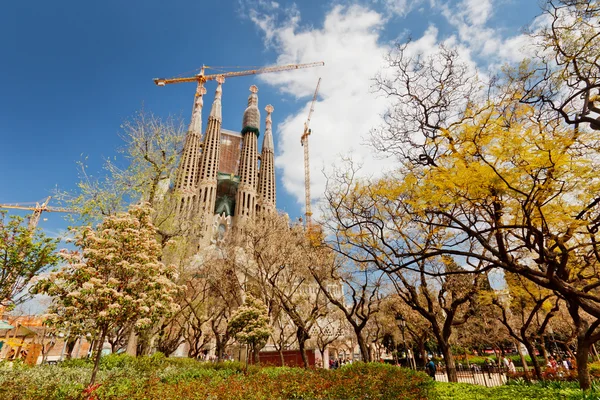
223	180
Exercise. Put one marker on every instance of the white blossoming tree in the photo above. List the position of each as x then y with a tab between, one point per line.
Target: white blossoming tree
250	325
113	279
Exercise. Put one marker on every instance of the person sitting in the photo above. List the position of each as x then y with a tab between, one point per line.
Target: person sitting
552	364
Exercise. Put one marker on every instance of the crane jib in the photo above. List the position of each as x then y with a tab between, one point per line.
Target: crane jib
203	78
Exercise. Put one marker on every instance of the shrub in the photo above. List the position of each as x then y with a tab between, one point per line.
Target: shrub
164	378
520	391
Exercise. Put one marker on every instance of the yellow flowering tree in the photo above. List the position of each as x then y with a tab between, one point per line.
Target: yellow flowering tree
114	278
496	174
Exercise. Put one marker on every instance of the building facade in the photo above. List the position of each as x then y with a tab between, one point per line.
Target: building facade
222	180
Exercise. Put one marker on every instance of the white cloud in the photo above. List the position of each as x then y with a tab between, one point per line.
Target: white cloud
349	42
401	7
470	18
476	12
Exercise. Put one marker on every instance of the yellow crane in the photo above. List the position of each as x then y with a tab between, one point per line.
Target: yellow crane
37	210
201	78
304	142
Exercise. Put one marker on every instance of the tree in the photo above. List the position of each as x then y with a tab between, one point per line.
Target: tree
150	155
417	327
24	254
115	278
277	259
151	148
504	182
354	291
221	273
484	329
250	325
563	76
117	337
375	225
526	313
328	330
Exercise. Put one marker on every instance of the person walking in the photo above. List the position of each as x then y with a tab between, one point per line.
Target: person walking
511	366
504	362
430	368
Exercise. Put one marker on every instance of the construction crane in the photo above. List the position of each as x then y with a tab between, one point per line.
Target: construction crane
304	142
37	210
201	78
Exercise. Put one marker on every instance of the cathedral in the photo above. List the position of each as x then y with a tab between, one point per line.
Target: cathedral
222	179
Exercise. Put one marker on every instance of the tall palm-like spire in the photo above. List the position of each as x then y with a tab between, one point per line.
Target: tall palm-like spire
209	162
266	181
187	173
245	204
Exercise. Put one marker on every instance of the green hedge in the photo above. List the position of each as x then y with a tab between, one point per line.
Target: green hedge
123	377
519	391
480	360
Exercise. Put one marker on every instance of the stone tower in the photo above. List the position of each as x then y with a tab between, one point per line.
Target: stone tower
266	179
245	204
187	173
218	177
209	162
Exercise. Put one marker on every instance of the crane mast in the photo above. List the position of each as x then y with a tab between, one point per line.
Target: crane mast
304	142
34	219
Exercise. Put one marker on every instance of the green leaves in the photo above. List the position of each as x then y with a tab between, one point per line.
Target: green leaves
250	323
23	255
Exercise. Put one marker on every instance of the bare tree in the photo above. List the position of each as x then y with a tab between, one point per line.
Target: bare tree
278	260
355	291
564	74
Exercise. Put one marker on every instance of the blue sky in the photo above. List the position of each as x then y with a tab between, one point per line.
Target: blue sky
73	71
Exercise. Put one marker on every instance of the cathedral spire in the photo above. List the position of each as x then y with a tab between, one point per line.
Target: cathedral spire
251	120
196	122
245	204
215	111
266	183
209	162
187	172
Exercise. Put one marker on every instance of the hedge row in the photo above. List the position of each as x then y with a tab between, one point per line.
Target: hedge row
515	391
160	378
480	360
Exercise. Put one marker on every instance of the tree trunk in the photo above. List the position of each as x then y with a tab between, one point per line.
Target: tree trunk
70	346
132	344
256	350
422	350
303	353
97	356
302	336
362	345
523	360
582	357
534	360
219	350
282	359
544	351
218	347
449	360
